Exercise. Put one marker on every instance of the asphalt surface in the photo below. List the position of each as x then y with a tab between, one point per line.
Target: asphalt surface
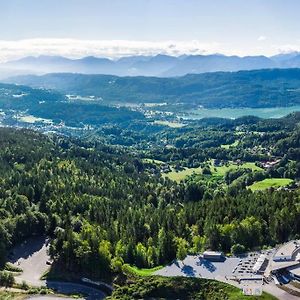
279	293
195	266
69	288
31	256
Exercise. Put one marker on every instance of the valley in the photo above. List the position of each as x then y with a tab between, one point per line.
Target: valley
149	150
130	187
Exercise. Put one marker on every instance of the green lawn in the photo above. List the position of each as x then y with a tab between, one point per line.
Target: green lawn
270	182
141	272
227	146
216	171
150	160
181	175
221	171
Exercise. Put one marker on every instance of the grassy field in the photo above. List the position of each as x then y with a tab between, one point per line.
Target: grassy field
270	182
141	272
150	160
221	170
218	171
181	175
227	146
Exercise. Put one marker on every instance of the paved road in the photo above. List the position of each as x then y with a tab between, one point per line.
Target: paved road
31	257
196	267
51	298
272	289
68	288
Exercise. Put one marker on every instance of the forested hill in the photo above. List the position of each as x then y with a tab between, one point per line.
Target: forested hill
260	88
103	207
52	105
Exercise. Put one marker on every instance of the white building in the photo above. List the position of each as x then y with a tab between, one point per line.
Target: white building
287	258
213	255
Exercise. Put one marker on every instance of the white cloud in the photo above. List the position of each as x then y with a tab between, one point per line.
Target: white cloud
75	48
262	38
288	48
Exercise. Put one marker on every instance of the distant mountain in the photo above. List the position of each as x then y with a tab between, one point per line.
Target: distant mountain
159	65
256	88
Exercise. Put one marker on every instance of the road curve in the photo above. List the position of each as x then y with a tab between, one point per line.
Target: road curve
278	293
51	297
69	287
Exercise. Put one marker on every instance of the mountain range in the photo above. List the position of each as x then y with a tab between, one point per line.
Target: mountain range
159	65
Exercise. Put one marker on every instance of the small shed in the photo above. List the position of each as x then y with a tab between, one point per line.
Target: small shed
213	255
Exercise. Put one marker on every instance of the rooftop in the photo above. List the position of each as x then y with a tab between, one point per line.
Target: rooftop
295	269
278	265
213	253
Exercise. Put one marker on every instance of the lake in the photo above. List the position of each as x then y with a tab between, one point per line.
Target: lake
233	113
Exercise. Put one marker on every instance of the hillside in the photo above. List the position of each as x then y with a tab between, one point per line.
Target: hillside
262	88
180	288
44	105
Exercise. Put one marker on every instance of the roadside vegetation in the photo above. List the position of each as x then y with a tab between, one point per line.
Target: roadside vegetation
134	271
6	295
180	288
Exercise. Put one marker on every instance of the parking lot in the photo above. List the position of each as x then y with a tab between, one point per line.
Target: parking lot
195	266
231	267
245	265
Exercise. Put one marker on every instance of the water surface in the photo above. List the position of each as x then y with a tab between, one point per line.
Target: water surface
233	113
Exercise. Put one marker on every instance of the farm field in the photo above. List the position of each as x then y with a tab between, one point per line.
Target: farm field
181	175
270	182
218	171
227	146
156	161
221	170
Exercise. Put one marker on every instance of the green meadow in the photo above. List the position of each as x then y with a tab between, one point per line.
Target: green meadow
270	182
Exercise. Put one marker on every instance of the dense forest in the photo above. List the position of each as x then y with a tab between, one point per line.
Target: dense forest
104	205
259	88
55	107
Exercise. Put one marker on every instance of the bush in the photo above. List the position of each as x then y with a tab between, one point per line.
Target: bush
11	268
6	279
24	285
237	249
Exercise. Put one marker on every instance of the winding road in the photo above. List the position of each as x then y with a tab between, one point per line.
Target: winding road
32	256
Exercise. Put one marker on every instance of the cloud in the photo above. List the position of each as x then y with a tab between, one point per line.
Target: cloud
261	38
75	48
287	48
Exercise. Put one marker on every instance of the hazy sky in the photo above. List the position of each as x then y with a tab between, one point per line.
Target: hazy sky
123	27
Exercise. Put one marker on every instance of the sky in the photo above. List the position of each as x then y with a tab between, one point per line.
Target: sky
114	28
